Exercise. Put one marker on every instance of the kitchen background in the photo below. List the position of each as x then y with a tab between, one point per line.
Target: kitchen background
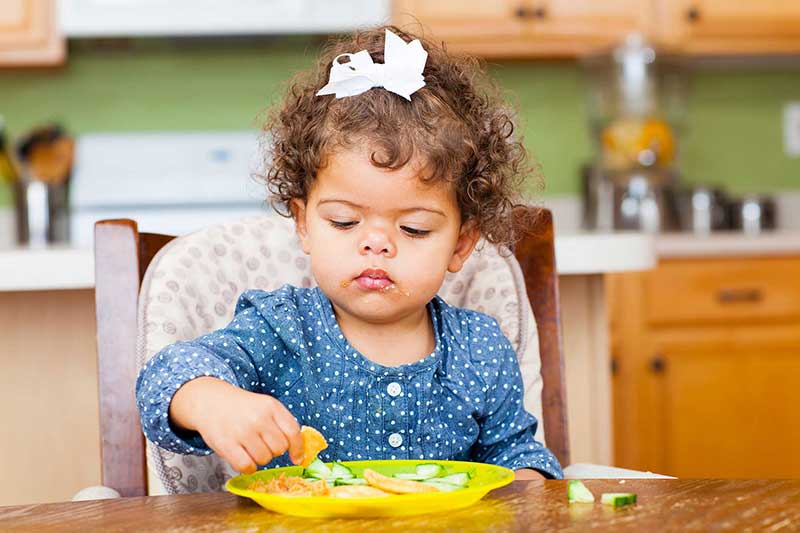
734	126
676	344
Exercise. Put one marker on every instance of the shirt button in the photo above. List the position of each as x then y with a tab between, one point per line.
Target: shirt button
395	440
393	389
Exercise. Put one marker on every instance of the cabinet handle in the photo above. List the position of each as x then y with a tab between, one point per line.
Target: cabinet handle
658	364
693	14
539	12
732	296
614	366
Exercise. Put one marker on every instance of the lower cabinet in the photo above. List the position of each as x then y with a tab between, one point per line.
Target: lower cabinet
706	368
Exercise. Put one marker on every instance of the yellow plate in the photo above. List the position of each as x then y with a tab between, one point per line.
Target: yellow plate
483	478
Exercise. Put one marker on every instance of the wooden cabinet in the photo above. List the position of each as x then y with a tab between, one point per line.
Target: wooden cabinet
706	385
526	28
725	26
569	28
29	34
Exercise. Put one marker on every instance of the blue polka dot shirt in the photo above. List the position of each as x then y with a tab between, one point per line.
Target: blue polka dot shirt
461	402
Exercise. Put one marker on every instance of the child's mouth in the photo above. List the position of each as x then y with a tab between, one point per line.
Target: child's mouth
374	279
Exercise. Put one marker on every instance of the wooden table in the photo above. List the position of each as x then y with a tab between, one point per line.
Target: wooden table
664	504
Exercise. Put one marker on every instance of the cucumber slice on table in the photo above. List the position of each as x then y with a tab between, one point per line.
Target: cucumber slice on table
578	493
618	499
318	469
350	481
339	471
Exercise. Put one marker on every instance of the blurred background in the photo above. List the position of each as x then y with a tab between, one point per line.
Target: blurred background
674	119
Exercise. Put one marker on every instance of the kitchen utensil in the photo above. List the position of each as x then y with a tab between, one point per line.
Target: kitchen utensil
46	156
753	214
702	210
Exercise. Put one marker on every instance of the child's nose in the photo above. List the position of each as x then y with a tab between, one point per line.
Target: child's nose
377	242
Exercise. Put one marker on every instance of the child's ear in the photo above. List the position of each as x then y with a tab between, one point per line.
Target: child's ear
467	239
298	208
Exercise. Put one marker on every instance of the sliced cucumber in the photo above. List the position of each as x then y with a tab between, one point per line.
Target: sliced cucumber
618	499
429	470
443	487
339	471
460	479
578	493
408	475
350	481
423	472
318	469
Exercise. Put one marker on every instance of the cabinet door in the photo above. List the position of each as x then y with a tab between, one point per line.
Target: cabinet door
592	24
29	35
725	26
527	28
728	410
474	26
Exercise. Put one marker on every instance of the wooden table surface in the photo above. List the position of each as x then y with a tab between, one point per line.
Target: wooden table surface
664	504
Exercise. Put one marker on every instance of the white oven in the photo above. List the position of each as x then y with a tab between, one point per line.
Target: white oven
170	182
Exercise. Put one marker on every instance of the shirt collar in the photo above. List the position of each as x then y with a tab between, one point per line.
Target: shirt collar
434	359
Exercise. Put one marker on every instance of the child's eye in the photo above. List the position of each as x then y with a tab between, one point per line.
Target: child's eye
413	232
339	224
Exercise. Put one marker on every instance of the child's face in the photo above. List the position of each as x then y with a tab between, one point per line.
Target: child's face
380	241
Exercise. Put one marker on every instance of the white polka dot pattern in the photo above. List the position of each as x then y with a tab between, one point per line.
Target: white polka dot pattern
191	288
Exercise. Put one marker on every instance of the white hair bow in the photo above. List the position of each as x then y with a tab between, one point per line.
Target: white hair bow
400	73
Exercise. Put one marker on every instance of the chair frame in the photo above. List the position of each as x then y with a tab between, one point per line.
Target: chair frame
122	256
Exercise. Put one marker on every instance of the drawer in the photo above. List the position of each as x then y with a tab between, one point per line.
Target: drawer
723	290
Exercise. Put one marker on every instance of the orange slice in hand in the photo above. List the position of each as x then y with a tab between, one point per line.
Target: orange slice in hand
313	443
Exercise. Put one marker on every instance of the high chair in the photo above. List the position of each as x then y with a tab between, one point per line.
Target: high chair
153	290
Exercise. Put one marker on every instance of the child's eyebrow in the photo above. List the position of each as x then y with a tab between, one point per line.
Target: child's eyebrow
358	206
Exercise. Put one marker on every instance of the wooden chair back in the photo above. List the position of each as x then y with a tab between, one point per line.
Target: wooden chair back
122	256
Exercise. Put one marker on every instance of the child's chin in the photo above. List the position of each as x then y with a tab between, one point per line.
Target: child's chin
379	309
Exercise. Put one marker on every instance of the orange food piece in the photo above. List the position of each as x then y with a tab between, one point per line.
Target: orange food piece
313	443
291	486
396	486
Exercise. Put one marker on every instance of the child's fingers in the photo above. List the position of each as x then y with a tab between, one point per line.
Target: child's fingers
274	438
291	430
257	449
239	459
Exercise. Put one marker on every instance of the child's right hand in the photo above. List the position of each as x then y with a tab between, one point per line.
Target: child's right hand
244	428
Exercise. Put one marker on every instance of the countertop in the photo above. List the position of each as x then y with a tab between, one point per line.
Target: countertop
728	244
65	267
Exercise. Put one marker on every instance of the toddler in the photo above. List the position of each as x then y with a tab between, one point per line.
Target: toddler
393	158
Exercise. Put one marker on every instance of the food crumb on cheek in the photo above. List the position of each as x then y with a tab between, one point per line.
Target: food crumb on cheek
395	288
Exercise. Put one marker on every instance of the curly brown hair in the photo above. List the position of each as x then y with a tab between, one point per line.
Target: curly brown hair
457	125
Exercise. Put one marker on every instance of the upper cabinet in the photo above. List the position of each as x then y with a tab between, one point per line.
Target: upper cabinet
29	34
526	28
731	27
571	28
143	18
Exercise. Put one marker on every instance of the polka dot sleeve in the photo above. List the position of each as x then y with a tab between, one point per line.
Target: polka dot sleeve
231	354
507	430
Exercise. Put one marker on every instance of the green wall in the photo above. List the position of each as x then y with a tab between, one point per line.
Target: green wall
733	133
